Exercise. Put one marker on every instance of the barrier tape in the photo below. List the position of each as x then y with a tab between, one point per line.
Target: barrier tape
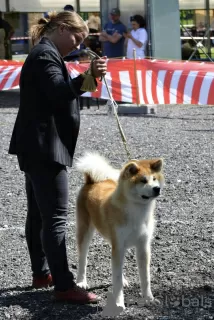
159	82
97	34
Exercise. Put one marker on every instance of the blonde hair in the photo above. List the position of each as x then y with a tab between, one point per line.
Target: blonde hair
53	20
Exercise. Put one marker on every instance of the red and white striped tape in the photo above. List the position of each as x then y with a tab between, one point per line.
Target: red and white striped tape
159	82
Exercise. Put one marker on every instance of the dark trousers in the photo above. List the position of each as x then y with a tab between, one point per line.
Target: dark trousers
47	199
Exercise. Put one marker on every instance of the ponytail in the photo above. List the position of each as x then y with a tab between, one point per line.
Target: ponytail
38	30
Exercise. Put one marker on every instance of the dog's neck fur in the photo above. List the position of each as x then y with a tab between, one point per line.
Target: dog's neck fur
136	212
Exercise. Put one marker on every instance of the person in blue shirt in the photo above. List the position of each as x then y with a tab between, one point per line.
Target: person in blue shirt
68	7
112	36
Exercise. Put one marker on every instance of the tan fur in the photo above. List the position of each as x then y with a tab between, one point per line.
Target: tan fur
121	215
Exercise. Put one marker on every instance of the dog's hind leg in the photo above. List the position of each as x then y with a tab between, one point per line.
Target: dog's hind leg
85	232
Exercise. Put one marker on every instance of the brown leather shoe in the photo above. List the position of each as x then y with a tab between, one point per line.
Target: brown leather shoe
42	282
76	295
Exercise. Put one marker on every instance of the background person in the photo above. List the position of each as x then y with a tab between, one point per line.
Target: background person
112	36
137	38
94	22
68	7
187	49
44	139
9	31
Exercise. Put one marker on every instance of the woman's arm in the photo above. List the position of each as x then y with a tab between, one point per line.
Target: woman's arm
103	36
114	38
142	36
49	71
138	43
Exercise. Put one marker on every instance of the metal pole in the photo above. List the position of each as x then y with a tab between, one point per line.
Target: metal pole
7	5
136	79
78	6
148	18
207	3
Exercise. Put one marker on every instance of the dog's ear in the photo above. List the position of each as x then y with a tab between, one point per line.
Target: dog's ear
130	170
156	165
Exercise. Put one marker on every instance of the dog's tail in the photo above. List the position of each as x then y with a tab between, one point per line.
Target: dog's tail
96	168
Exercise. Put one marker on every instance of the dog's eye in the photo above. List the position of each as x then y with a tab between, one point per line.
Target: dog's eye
144	180
154	178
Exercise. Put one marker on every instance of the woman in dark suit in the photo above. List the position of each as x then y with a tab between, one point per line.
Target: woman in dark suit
44	140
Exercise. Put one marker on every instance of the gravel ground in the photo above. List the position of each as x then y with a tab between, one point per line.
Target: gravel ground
182	250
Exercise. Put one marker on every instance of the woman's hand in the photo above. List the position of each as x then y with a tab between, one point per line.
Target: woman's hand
99	67
127	35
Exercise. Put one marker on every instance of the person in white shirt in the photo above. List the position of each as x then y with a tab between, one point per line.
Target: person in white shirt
94	22
137	38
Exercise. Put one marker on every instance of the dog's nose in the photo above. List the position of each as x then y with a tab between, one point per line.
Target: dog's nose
156	190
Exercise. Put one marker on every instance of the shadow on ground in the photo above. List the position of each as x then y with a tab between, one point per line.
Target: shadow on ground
41	305
188	303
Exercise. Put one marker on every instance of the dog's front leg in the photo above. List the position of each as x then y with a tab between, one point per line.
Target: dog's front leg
143	253
115	302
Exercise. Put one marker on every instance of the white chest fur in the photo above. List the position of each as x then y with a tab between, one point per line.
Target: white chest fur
139	223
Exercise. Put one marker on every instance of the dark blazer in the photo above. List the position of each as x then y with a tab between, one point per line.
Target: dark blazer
48	120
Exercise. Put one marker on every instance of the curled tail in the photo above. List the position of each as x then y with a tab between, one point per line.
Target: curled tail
96	168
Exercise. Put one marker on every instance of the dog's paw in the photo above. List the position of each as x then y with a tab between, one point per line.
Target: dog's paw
82	284
125	282
112	309
112	312
150	300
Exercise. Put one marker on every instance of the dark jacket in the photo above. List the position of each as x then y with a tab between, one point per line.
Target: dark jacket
48	120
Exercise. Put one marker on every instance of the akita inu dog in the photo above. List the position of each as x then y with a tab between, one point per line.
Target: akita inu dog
120	204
